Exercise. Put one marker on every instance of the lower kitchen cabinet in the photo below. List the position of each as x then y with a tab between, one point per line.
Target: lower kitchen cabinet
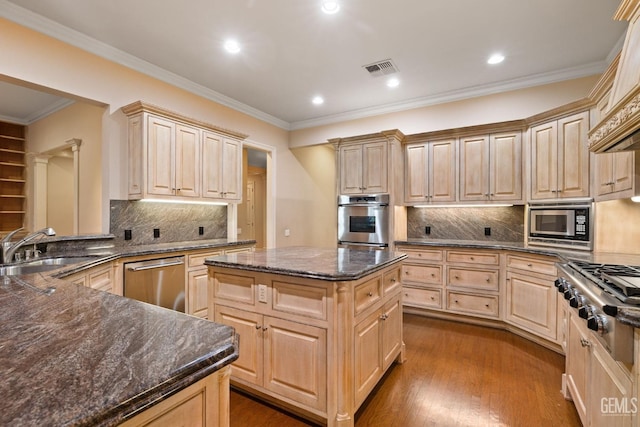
317	347
284	357
100	277
205	403
601	388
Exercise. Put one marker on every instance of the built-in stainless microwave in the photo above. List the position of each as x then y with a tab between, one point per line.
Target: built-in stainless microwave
566	224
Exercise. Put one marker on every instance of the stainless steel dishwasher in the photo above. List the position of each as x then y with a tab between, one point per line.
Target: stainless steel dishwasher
156	281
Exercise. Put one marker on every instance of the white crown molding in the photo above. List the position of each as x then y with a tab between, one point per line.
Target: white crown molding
50	109
458	95
53	29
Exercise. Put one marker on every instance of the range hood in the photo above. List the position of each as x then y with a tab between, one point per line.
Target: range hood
619	129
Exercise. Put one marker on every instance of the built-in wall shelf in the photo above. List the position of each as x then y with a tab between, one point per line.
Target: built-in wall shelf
12	176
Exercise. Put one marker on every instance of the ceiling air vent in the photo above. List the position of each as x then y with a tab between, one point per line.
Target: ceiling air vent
381	68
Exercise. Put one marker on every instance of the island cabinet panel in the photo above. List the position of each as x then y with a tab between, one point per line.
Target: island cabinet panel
315	346
205	404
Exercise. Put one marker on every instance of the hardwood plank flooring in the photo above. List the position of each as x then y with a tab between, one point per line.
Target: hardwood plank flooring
455	375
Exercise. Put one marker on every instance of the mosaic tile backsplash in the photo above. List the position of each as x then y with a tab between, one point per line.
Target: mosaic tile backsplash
506	223
176	222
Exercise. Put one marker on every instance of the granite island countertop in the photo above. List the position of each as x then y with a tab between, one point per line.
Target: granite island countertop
339	264
83	357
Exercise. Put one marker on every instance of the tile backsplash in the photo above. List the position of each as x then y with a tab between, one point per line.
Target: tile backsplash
506	224
175	222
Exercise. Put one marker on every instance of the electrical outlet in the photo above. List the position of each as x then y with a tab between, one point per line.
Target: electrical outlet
262	293
427	229
487	231
127	234
200	231
287	232
156	233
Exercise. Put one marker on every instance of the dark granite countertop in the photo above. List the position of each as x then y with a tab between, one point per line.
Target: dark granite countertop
339	264
627	315
78	356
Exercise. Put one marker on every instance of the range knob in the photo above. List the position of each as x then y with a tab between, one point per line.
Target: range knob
576	300
586	311
569	292
597	323
561	284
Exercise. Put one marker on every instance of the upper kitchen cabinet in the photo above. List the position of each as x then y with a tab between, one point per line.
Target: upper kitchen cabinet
367	164
430	172
12	176
177	158
560	158
491	168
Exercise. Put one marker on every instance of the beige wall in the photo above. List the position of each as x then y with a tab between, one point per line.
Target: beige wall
78	121
618	227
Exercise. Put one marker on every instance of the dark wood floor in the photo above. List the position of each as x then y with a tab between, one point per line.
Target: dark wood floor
455	375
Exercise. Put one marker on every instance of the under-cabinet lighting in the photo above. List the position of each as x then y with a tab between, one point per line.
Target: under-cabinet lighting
185	202
498	205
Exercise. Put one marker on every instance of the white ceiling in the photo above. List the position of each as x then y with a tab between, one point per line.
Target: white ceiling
292	51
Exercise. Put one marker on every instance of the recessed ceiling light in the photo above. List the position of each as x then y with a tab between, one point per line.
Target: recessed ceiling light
232	46
317	100
330	6
496	58
393	82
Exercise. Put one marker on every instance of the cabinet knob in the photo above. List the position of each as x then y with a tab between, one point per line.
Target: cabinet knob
456	277
456	301
384	317
584	343
370	294
471	258
529	265
488	279
265	328
258	327
393	280
433	298
433	275
486	305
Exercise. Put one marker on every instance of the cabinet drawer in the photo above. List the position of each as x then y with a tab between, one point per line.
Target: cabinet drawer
432	255
296	298
428	298
235	288
535	265
422	274
101	279
486	305
366	294
391	281
484	258
473	278
197	260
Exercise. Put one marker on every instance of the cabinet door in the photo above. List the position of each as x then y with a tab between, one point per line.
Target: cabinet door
197	288
295	360
442	175
211	165
544	161
391	332
416	169
368	355
474	168
375	167
351	169
505	158
160	161
604	173
232	169
531	304
611	391
187	161
578	363
249	365
573	158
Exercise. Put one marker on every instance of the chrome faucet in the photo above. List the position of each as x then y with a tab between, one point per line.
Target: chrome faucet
9	249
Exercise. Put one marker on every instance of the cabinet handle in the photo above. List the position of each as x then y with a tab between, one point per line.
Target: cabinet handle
584	343
384	317
265	328
393	280
488	279
369	294
258	327
433	298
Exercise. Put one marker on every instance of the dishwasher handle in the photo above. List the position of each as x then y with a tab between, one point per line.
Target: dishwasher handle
159	263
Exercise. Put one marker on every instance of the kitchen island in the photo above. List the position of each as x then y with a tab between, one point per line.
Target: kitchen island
319	327
71	355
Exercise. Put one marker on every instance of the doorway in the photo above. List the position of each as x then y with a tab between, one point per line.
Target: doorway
252	212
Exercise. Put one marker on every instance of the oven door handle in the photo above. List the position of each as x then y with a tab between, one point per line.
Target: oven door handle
364	205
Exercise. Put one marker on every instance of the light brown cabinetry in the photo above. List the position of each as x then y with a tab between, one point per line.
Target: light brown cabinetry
174	157
601	388
422	278
616	176
101	277
491	168
204	403
12	176
430	172
317	346
531	297
560	158
364	168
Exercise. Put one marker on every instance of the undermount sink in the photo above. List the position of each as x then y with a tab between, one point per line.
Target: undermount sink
40	265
